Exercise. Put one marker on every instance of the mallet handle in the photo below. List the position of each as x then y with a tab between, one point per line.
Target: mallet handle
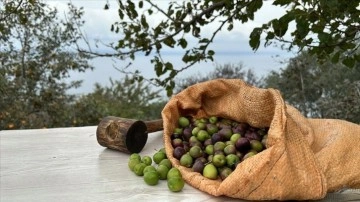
154	125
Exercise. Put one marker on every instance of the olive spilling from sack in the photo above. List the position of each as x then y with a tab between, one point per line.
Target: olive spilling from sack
214	146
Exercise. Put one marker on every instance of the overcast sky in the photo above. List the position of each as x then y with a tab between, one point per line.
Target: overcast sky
230	47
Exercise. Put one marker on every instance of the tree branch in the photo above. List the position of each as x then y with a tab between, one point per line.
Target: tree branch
185	25
159	9
207	44
13	11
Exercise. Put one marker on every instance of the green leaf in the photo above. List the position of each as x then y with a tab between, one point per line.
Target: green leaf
178	14
282	2
254	5
169	91
168	66
189	6
121	43
203	47
170	11
335	57
121	5
121	14
324	37
173	73
279	27
351	31
357	57
347	46
187	28
270	35
169	41
349	62
313	16
141	4
196	31
302	28
230	27
183	43
157	31
158	68
255	38
318	27
186	57
23	19
143	22
204	40
158	46
132	12
211	52
132	56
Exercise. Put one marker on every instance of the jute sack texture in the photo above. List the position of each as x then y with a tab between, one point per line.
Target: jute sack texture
304	159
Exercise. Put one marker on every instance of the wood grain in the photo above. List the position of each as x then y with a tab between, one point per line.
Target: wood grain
125	135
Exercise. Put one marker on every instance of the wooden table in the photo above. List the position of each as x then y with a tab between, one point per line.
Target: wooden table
67	164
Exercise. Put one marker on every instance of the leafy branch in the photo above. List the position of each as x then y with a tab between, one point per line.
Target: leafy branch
324	28
138	37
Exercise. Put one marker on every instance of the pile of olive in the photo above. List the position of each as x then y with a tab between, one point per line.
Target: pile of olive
214	146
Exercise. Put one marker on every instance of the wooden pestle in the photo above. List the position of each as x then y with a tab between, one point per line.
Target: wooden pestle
125	135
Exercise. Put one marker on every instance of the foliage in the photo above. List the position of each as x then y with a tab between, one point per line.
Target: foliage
37	53
228	71
322	26
126	99
323	91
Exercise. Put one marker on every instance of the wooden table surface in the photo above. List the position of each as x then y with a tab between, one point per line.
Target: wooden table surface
67	164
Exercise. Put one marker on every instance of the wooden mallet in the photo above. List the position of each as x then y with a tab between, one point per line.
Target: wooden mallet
125	135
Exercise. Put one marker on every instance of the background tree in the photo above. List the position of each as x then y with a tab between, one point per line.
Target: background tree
322	27
319	90
126	99
228	71
37	52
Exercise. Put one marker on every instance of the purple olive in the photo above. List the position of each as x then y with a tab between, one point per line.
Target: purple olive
242	144
178	152
216	137
223	125
252	135
187	133
202	159
226	133
198	166
240	128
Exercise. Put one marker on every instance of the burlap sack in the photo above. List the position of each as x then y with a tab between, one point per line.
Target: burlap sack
304	158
